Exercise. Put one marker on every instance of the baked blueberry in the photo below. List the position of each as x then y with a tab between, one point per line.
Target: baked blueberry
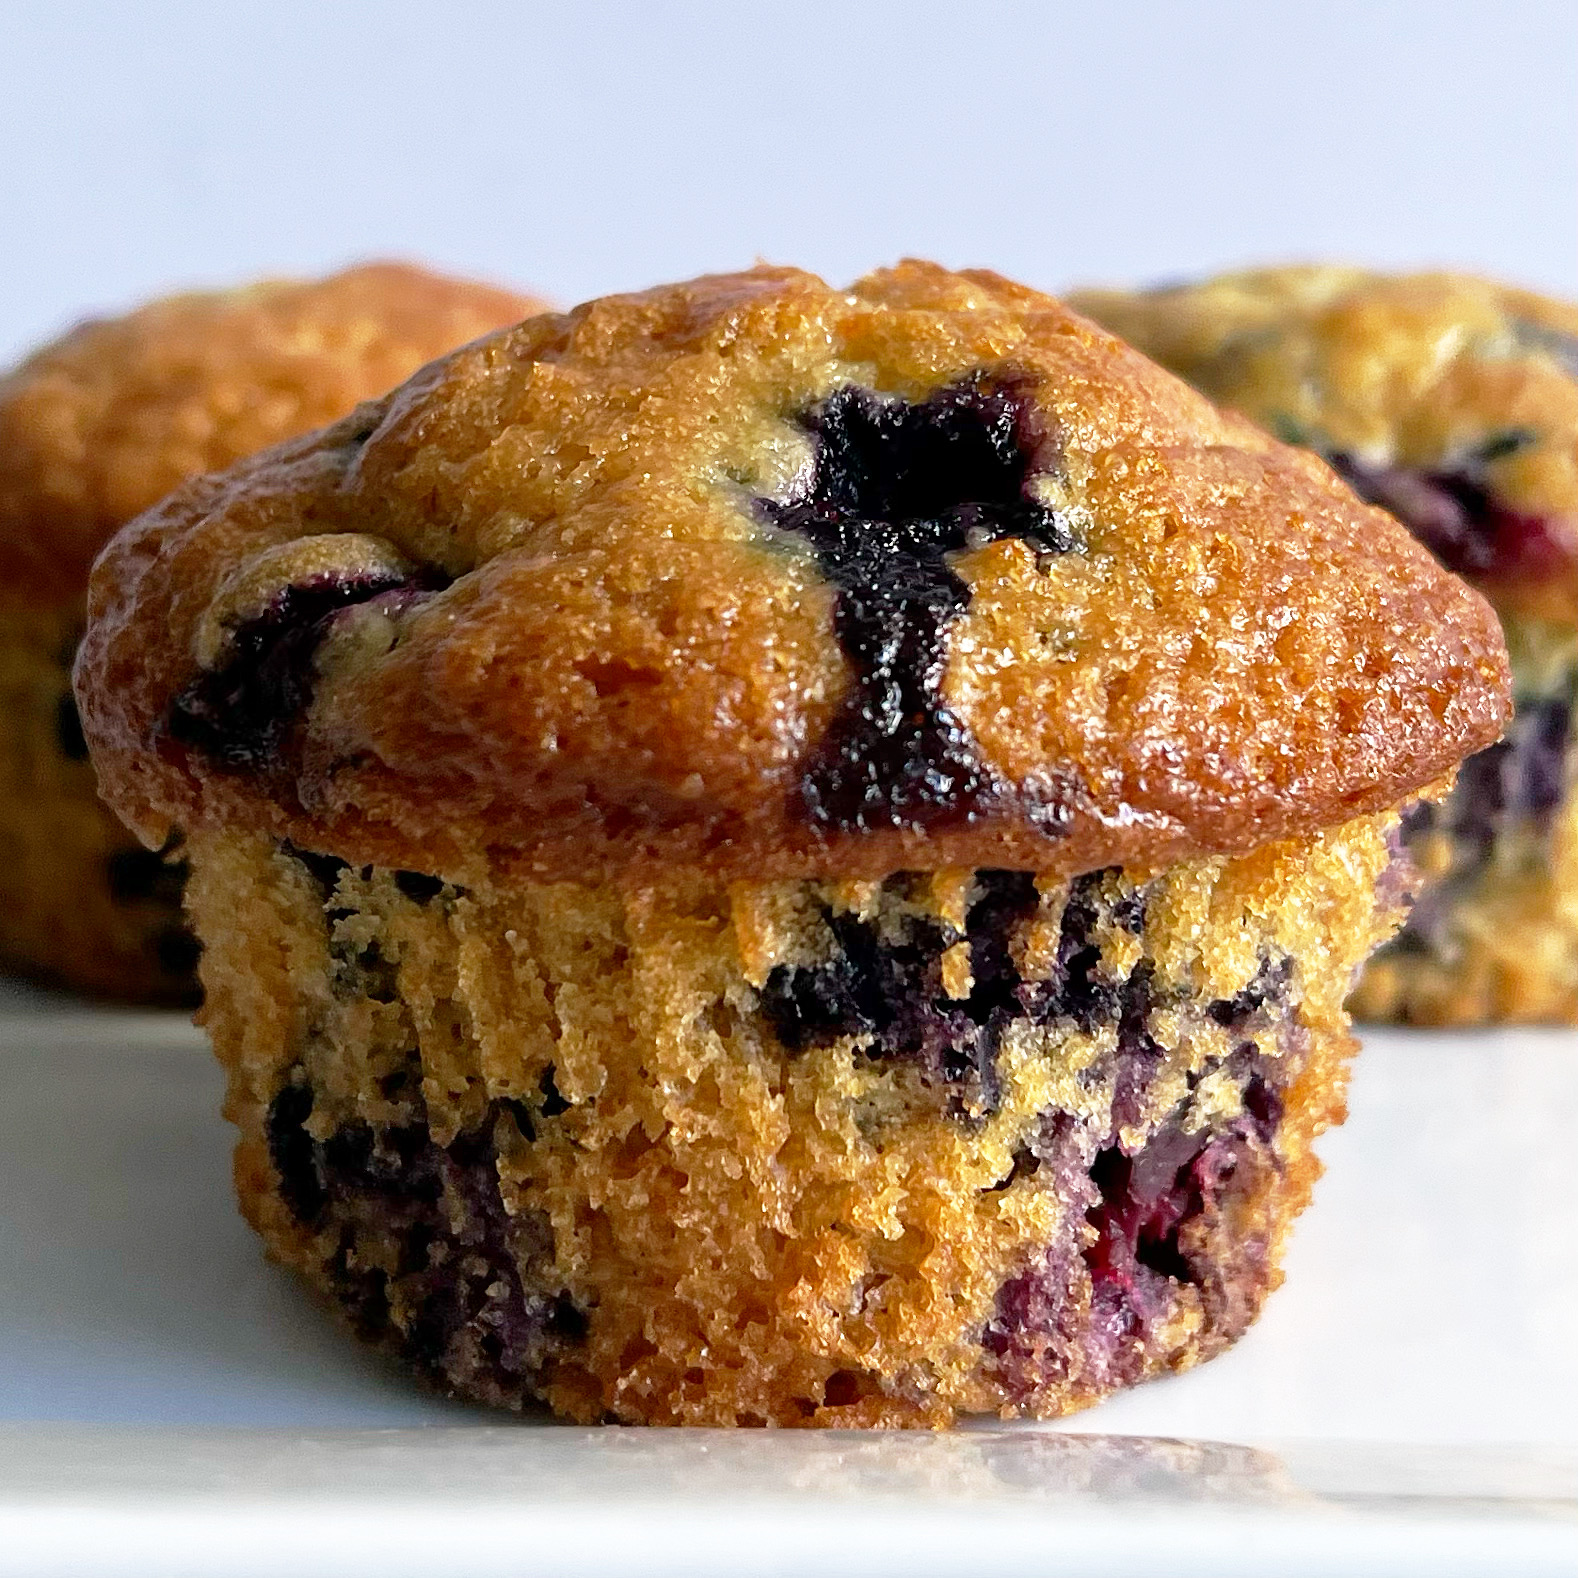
812	872
1452	403
897	487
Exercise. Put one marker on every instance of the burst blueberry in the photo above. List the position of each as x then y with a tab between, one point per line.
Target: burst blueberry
898	487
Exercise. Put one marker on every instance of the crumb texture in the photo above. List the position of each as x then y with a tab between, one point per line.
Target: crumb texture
788	1152
781	581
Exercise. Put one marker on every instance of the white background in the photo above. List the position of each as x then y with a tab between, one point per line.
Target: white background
593	147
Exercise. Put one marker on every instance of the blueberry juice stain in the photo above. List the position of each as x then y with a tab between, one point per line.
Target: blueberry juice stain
241	713
1453	511
897	487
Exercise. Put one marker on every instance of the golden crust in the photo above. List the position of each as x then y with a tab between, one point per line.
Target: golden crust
628	668
1412	369
104	422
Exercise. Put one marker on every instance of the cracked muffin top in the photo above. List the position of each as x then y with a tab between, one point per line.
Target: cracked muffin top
102	423
774	579
1451	401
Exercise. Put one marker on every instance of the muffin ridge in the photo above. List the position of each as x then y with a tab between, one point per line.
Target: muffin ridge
687	651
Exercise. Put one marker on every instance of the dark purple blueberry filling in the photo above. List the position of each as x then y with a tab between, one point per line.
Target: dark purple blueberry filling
1271	983
890	991
68	729
1147	1198
1079	989
1142	1254
241	714
454	1305
1521	778
897	487
1453	512
1157	1214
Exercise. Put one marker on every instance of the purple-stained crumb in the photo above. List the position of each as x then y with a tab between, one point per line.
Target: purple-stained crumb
1153	1202
453	1305
897	487
1453	512
1158	1213
1153	1210
1272	983
890	992
240	714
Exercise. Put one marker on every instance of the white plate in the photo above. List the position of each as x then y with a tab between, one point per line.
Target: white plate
170	1404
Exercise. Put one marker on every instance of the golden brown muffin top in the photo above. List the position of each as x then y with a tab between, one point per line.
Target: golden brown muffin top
1452	401
757	575
104	422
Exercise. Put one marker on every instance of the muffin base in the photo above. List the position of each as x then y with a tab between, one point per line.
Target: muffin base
789	1153
82	904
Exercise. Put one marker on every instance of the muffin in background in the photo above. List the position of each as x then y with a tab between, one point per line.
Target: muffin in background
1452	402
780	855
94	429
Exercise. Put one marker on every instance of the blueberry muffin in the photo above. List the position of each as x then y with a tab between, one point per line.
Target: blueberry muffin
778	855
93	430
1451	402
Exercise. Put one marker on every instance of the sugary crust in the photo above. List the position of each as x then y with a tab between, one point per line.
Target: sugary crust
1413	370
630	665
104	422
